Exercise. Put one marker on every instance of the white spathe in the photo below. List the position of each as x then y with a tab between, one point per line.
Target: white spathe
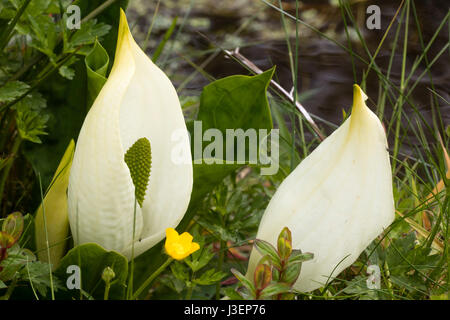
138	100
337	200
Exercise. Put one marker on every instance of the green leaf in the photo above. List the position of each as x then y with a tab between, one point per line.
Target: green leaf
12	90
110	16
179	271
223	233
284	243
87	34
243	280
30	118
265	248
232	293
139	160
163	43
397	251
291	273
209	277
38	273
44	34
6	241
297	256
18	261
92	260
66	72
274	289
13	225
31	125
96	62
200	258
262	276
236	102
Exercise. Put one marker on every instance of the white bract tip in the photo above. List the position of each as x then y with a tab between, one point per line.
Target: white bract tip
137	101
337	200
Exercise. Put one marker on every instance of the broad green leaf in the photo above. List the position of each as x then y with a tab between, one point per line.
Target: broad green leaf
236	102
92	260
96	62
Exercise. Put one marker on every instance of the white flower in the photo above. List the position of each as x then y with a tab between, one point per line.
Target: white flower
137	100
338	199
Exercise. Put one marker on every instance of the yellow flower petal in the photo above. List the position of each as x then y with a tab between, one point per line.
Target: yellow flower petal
179	246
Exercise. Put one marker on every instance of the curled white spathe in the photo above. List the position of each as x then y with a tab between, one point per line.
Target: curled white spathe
337	200
137	100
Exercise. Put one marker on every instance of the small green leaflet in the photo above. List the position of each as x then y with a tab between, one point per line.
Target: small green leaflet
139	160
12	90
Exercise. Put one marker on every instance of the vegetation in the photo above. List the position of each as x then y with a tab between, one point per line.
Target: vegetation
50	76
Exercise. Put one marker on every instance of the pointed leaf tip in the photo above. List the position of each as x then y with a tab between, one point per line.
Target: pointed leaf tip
359	104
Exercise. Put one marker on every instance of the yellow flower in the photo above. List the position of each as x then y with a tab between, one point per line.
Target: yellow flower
179	246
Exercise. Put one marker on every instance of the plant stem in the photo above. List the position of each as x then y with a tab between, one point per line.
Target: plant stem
130	282
39	81
11	288
191	288
222	249
98	10
7	169
8	32
149	280
107	286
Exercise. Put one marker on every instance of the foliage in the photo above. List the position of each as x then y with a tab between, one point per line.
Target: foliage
50	76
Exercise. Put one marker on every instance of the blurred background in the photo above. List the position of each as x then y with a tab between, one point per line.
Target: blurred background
193	54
